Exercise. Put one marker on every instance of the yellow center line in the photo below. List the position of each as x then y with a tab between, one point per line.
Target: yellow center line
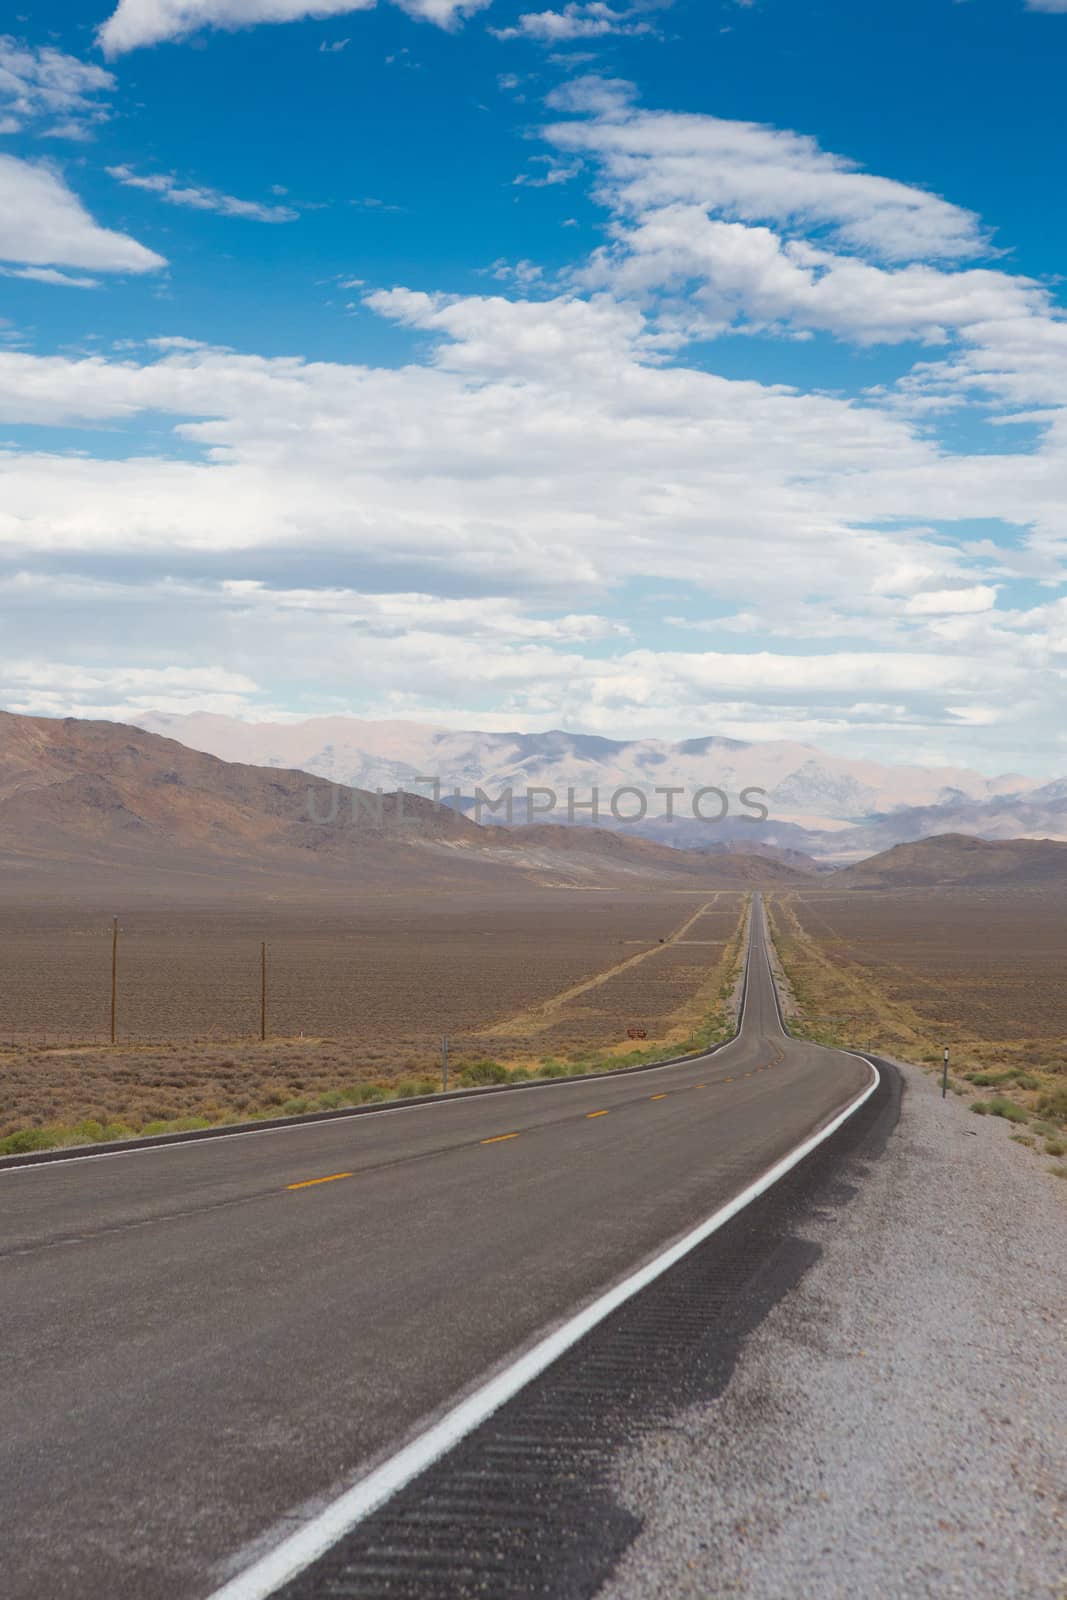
499	1138
309	1183
596	1113
701	1085
657	1097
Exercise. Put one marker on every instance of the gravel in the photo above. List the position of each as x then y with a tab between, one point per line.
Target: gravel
897	1426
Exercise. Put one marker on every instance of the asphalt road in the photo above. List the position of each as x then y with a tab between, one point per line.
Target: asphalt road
202	1342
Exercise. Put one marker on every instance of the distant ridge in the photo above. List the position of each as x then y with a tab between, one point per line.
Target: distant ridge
833	807
961	860
84	801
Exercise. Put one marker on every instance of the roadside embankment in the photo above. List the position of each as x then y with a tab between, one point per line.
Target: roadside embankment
897	1425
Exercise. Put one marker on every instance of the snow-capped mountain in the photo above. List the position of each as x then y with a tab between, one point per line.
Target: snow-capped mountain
811	797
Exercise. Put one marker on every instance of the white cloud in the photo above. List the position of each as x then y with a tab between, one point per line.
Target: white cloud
135	23
455	538
53	688
37	83
947	602
43	223
1046	5
551	173
750	274
747	172
523	273
200	198
49	275
593	20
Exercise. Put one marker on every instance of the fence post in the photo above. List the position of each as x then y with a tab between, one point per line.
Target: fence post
114	975
263	991
444	1065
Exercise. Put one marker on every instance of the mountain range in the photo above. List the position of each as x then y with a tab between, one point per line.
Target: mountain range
92	806
819	805
85	803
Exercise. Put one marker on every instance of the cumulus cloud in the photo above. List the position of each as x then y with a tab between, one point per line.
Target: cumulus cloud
948	602
752	275
748	172
135	23
200	198
41	84
594	20
722	226
464	532
44	224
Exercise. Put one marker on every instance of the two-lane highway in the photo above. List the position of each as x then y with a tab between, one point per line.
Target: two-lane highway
202	1342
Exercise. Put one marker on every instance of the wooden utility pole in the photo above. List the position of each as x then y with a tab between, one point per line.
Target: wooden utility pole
114	975
263	990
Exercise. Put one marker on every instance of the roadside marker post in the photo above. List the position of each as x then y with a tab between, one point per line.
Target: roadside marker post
263	991
444	1065
944	1074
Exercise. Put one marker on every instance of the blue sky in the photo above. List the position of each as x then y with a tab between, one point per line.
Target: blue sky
653	369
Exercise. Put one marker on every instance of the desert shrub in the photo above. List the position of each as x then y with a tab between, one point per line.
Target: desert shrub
330	1100
295	1108
1026	1080
1054	1103
26	1140
479	1072
521	1074
552	1069
980	1108
1055	1147
1008	1110
90	1132
406	1088
1023	1138
361	1093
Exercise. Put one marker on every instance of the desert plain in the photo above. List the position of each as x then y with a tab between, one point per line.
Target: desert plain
360	993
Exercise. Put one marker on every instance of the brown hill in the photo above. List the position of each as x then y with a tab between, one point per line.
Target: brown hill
960	859
553	844
83	801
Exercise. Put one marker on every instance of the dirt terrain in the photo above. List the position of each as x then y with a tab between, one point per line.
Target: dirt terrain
355	997
912	970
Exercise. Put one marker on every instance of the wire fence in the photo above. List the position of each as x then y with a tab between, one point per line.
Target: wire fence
159	979
60	991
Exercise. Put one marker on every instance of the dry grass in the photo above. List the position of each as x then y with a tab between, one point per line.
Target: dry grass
909	972
420	972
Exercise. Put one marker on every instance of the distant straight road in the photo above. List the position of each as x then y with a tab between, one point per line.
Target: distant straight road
199	1342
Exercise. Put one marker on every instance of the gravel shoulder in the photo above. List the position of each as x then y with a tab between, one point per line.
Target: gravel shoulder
897	1426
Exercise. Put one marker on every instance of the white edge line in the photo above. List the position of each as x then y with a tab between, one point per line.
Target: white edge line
298	1551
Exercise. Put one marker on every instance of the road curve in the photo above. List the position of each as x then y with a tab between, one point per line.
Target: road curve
202	1342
